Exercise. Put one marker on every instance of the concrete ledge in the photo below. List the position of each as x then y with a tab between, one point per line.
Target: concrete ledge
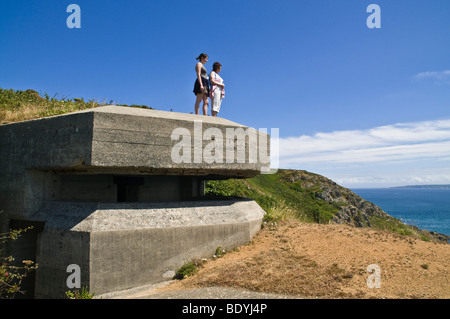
119	246
122	138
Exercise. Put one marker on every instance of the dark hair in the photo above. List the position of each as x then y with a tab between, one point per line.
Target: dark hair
201	56
216	66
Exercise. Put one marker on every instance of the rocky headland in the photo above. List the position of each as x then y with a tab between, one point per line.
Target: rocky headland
314	198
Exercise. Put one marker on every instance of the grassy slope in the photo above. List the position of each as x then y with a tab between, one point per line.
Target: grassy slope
294	194
278	197
26	105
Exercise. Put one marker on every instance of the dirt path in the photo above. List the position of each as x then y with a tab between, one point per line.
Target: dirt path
328	261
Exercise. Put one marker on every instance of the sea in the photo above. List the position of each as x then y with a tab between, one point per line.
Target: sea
426	208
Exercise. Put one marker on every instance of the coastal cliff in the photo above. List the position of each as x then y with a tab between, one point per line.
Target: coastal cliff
314	198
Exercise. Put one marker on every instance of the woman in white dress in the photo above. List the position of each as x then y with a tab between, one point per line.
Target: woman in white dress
217	92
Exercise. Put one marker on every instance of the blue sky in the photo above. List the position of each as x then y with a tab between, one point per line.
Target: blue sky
364	107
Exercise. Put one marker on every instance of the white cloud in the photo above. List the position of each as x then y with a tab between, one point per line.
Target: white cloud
391	177
439	76
424	138
376	154
373	155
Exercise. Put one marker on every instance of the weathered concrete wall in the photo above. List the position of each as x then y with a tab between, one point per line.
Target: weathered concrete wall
127	137
68	173
124	245
106	140
48	142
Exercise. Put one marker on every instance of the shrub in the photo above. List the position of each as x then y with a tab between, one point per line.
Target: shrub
186	270
76	294
11	276
189	269
220	252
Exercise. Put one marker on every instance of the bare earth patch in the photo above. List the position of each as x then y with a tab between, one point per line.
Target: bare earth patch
329	261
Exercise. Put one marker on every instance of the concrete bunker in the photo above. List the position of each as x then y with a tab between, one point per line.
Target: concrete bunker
102	191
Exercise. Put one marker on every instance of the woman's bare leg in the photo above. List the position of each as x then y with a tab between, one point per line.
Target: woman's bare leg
197	102
205	104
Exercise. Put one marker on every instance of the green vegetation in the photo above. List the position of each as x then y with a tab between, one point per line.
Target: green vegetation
76	294
11	275
188	269
278	196
220	252
192	267
25	105
391	224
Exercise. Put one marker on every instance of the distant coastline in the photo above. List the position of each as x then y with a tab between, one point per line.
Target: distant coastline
444	186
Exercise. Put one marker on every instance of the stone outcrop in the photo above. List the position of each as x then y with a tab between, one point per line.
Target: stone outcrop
354	210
